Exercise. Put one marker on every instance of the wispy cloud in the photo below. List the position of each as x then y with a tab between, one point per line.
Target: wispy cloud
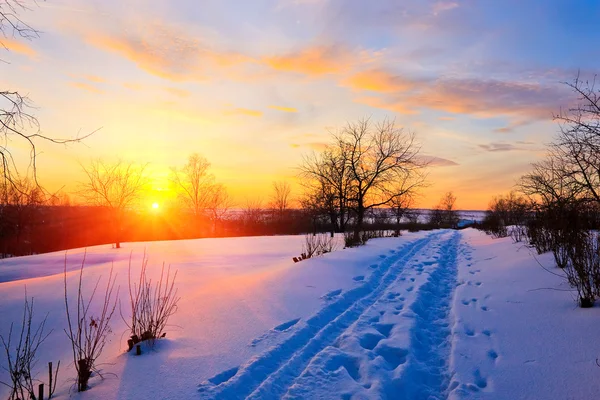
133	86
244	111
480	98
316	146
18	46
284	109
502	146
314	61
375	80
434	161
441	6
167	52
85	86
178	92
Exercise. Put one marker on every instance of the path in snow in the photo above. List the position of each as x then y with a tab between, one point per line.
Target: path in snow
386	338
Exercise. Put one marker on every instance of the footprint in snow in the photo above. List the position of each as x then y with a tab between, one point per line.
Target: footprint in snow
286	325
480	381
223	376
332	294
492	354
394	356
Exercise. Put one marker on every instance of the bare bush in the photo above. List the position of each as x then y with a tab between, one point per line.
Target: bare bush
88	332
518	233
583	270
316	245
328	244
22	357
151	304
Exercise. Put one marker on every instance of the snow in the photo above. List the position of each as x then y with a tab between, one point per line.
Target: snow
429	315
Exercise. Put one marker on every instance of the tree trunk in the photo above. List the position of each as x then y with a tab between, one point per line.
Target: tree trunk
360	214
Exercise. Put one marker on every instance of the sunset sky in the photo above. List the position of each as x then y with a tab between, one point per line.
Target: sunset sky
253	85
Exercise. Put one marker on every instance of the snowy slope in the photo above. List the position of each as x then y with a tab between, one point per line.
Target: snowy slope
430	315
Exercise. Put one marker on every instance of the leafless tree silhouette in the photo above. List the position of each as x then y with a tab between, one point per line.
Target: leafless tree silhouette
17	123
116	186
369	165
578	144
280	198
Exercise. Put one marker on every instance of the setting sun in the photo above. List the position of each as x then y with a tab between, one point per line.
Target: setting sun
155	206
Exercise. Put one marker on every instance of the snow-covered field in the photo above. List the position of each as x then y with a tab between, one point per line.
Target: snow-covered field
430	315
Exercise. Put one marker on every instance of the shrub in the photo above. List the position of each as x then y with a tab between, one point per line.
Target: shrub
22	358
583	270
87	332
151	305
316	245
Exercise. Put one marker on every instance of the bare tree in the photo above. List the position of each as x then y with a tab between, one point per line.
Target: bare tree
193	183
17	124
578	144
280	198
116	186
11	24
252	213
326	179
197	190
379	156
20	208
550	182
444	214
219	204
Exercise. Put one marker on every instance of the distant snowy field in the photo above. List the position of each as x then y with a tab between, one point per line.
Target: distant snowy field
429	315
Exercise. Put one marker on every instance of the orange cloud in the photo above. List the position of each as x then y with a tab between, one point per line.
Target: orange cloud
284	109
244	111
317	146
318	60
167	53
178	92
94	78
133	86
18	47
85	86
479	98
378	81
489	98
398	106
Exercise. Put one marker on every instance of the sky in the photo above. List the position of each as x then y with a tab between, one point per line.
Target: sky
255	85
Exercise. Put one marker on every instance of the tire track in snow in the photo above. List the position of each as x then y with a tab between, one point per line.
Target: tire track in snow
427	371
268	375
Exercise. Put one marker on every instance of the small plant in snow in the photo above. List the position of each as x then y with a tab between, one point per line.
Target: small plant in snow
151	304
316	245
22	357
88	332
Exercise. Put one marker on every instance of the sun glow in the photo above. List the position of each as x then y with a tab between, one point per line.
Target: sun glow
155	206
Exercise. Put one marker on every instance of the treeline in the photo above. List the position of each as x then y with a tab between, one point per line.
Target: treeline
557	206
41	228
363	185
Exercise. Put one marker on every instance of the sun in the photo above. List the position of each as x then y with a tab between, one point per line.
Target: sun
155	206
